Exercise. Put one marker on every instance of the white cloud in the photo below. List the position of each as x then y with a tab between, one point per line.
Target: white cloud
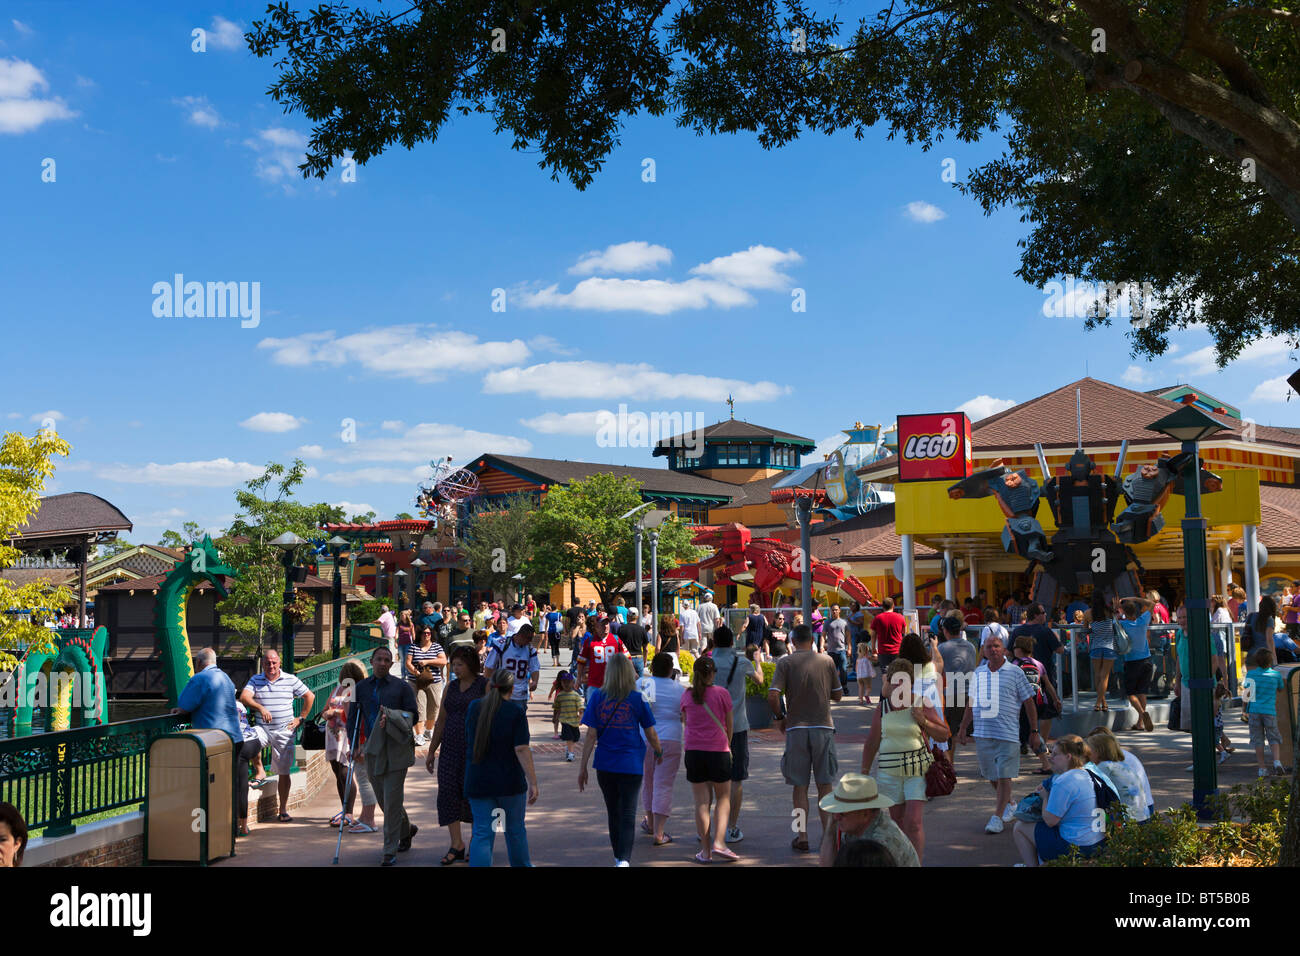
393	426
924	212
22	28
754	268
570	423
1135	375
427	441
85	82
606	380
656	296
51	414
623	257
1272	390
982	406
280	152
20	112
14	415
272	422
405	351
310	451
225	35
545	343
1272	348
198	111
19	79
215	473
353	508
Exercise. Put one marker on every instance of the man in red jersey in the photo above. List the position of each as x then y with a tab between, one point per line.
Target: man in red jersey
888	628
598	647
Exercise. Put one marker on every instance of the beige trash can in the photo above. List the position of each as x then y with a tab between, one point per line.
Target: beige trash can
189	803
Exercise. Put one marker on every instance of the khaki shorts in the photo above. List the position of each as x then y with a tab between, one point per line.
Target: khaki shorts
900	789
1263	729
999	759
809	752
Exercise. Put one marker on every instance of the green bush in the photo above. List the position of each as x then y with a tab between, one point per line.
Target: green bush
686	663
753	690
365	612
1247	832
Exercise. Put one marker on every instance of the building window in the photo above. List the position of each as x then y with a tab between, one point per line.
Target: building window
692	512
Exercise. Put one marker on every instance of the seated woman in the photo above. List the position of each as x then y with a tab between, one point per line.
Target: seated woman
1069	809
1108	761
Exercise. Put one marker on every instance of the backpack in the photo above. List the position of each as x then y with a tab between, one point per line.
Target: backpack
1032	675
1106	799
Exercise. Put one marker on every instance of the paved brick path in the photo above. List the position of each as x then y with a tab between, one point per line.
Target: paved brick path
567	828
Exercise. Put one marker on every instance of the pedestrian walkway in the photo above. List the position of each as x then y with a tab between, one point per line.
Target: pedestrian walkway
568	828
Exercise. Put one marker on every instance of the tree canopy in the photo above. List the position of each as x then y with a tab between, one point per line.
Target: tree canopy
579	531
1155	143
498	545
25	464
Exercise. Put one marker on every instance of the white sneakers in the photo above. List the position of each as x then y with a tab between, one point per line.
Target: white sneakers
734	835
994	825
1009	813
622	863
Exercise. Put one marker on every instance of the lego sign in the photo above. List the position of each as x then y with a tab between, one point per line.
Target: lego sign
934	447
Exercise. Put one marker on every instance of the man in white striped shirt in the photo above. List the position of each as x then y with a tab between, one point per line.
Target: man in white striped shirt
271	695
995	694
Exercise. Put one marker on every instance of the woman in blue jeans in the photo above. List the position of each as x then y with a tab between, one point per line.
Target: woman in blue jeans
499	775
615	716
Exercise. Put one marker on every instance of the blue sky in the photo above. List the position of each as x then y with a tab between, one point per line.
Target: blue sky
376	295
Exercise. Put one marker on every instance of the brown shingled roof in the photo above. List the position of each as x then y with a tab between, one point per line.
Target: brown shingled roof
731	428
1111	413
76	512
868	537
653	480
1279	527
312	583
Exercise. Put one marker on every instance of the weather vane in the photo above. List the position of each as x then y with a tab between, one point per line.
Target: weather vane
731	403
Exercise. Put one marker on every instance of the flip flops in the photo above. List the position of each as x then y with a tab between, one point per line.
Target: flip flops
725	854
360	827
284	818
346	820
259	784
645	828
801	846
701	858
665	841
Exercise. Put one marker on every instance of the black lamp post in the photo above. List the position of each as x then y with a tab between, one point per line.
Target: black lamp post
288	543
336	546
417	578
399	589
1189	425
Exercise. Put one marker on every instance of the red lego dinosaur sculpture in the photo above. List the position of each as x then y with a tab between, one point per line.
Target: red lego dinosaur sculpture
771	562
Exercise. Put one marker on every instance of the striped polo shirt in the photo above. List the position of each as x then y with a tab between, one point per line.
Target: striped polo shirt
277	696
995	698
419	655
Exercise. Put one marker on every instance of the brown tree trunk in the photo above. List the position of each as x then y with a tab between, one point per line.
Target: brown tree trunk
1290	852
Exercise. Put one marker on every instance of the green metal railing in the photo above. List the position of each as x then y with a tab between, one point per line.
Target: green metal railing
322	679
56	778
362	640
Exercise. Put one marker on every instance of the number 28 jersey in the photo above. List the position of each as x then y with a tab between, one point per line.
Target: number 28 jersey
596	654
520	661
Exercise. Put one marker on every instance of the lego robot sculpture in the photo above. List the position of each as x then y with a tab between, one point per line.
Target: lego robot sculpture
1089	549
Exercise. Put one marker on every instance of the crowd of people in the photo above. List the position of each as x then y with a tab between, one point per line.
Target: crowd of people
639	704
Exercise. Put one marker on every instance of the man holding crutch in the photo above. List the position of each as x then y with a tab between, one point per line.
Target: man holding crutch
385	710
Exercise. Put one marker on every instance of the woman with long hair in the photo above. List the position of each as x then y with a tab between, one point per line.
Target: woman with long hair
405	638
449	736
706	746
500	774
665	698
616	715
904	723
1101	647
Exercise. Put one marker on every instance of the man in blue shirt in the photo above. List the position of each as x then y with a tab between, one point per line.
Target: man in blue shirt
209	698
1137	662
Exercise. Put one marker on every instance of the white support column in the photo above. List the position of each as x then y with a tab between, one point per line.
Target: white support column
1225	566
909	573
1250	549
974	580
949	576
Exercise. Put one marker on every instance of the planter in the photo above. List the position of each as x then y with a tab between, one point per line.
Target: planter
758	712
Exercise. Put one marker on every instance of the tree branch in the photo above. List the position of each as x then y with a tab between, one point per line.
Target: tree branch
1254	12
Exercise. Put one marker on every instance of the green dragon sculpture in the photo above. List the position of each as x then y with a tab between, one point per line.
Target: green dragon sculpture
201	564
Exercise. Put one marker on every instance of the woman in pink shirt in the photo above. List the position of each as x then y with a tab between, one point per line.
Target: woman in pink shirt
706	749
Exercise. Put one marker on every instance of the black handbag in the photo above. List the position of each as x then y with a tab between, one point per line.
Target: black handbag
313	736
1175	713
